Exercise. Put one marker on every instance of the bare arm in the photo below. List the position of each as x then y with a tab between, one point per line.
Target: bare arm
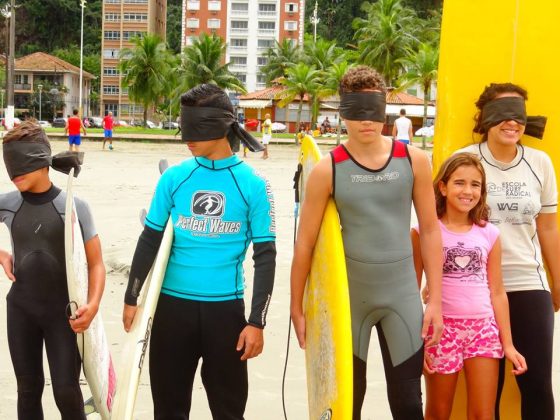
318	191
96	285
501	307
549	238
394	131
7	263
410	133
430	241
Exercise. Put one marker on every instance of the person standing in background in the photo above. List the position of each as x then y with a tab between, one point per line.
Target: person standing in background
266	134
402	129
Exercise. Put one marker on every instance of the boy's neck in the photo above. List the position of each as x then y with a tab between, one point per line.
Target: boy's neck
41	186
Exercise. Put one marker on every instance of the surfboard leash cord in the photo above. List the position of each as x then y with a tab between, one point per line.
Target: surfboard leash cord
297	178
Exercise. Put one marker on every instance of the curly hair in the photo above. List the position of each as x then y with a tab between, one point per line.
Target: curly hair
490	93
359	78
478	214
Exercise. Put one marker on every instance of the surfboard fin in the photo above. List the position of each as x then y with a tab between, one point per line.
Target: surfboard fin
163	165
89	406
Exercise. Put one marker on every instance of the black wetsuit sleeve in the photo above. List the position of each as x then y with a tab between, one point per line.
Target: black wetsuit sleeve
144	257
264	256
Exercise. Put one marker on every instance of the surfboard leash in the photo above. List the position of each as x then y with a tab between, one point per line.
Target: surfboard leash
297	177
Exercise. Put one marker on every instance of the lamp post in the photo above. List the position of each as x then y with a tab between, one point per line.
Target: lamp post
315	20
40	87
54	92
83	6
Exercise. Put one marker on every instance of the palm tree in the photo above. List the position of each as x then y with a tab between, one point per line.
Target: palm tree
385	36
323	55
145	68
334	75
279	59
422	66
300	80
203	62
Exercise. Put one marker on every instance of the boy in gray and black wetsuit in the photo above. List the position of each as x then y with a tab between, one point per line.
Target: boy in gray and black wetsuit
374	181
38	297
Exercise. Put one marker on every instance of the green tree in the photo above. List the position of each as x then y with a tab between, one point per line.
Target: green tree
300	80
203	62
385	36
322	55
173	25
421	68
279	59
145	67
334	75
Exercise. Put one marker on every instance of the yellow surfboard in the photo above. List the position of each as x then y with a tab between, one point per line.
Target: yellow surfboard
496	41
328	351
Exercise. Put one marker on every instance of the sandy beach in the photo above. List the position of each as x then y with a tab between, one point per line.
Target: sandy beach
117	185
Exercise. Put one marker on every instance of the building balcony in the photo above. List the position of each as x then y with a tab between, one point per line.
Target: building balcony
266	32
239	31
267	14
22	86
238	49
237	67
241	13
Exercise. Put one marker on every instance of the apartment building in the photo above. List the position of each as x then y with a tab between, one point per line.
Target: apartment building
249	27
122	21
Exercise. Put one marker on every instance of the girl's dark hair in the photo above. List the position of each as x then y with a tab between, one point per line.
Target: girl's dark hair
478	214
207	95
28	131
489	94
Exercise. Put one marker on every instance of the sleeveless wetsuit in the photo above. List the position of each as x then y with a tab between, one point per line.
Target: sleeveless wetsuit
36	302
375	209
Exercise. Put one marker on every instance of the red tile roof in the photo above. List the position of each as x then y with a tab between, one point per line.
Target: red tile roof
267	93
402	98
41	61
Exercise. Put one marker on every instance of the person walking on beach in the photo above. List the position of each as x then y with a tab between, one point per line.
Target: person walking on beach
476	332
266	127
218	205
523	200
74	126
108	124
402	129
374	182
38	297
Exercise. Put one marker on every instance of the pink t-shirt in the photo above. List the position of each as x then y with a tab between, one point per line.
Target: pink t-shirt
465	292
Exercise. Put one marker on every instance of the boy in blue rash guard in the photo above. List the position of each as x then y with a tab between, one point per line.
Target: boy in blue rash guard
218	206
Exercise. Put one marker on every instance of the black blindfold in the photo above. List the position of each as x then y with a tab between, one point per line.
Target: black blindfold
511	109
200	123
22	157
363	106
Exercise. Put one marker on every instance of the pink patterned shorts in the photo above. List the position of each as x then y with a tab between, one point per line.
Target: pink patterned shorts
463	339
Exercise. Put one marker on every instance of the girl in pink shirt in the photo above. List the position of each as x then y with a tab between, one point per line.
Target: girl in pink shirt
474	302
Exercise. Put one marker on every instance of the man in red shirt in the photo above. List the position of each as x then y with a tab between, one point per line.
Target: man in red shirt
74	127
108	129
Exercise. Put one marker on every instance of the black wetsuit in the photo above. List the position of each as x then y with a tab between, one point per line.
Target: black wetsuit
36	302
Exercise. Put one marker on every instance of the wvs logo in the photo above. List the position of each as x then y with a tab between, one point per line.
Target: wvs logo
508	206
208	203
327	415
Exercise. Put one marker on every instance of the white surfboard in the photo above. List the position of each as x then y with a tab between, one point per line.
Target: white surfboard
92	344
136	344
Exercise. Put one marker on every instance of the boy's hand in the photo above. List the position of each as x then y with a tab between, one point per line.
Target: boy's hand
428	364
556	298
251	338
7	264
84	316
129	312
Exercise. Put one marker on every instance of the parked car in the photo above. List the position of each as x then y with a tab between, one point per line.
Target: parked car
169	125
278	127
44	124
59	122
96	122
121	123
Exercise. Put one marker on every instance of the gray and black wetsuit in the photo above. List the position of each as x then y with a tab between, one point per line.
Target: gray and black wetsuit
375	208
36	302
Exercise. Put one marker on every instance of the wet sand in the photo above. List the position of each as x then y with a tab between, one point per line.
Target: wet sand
117	185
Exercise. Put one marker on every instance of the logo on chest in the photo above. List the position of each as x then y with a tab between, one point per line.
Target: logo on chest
208	203
463	263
